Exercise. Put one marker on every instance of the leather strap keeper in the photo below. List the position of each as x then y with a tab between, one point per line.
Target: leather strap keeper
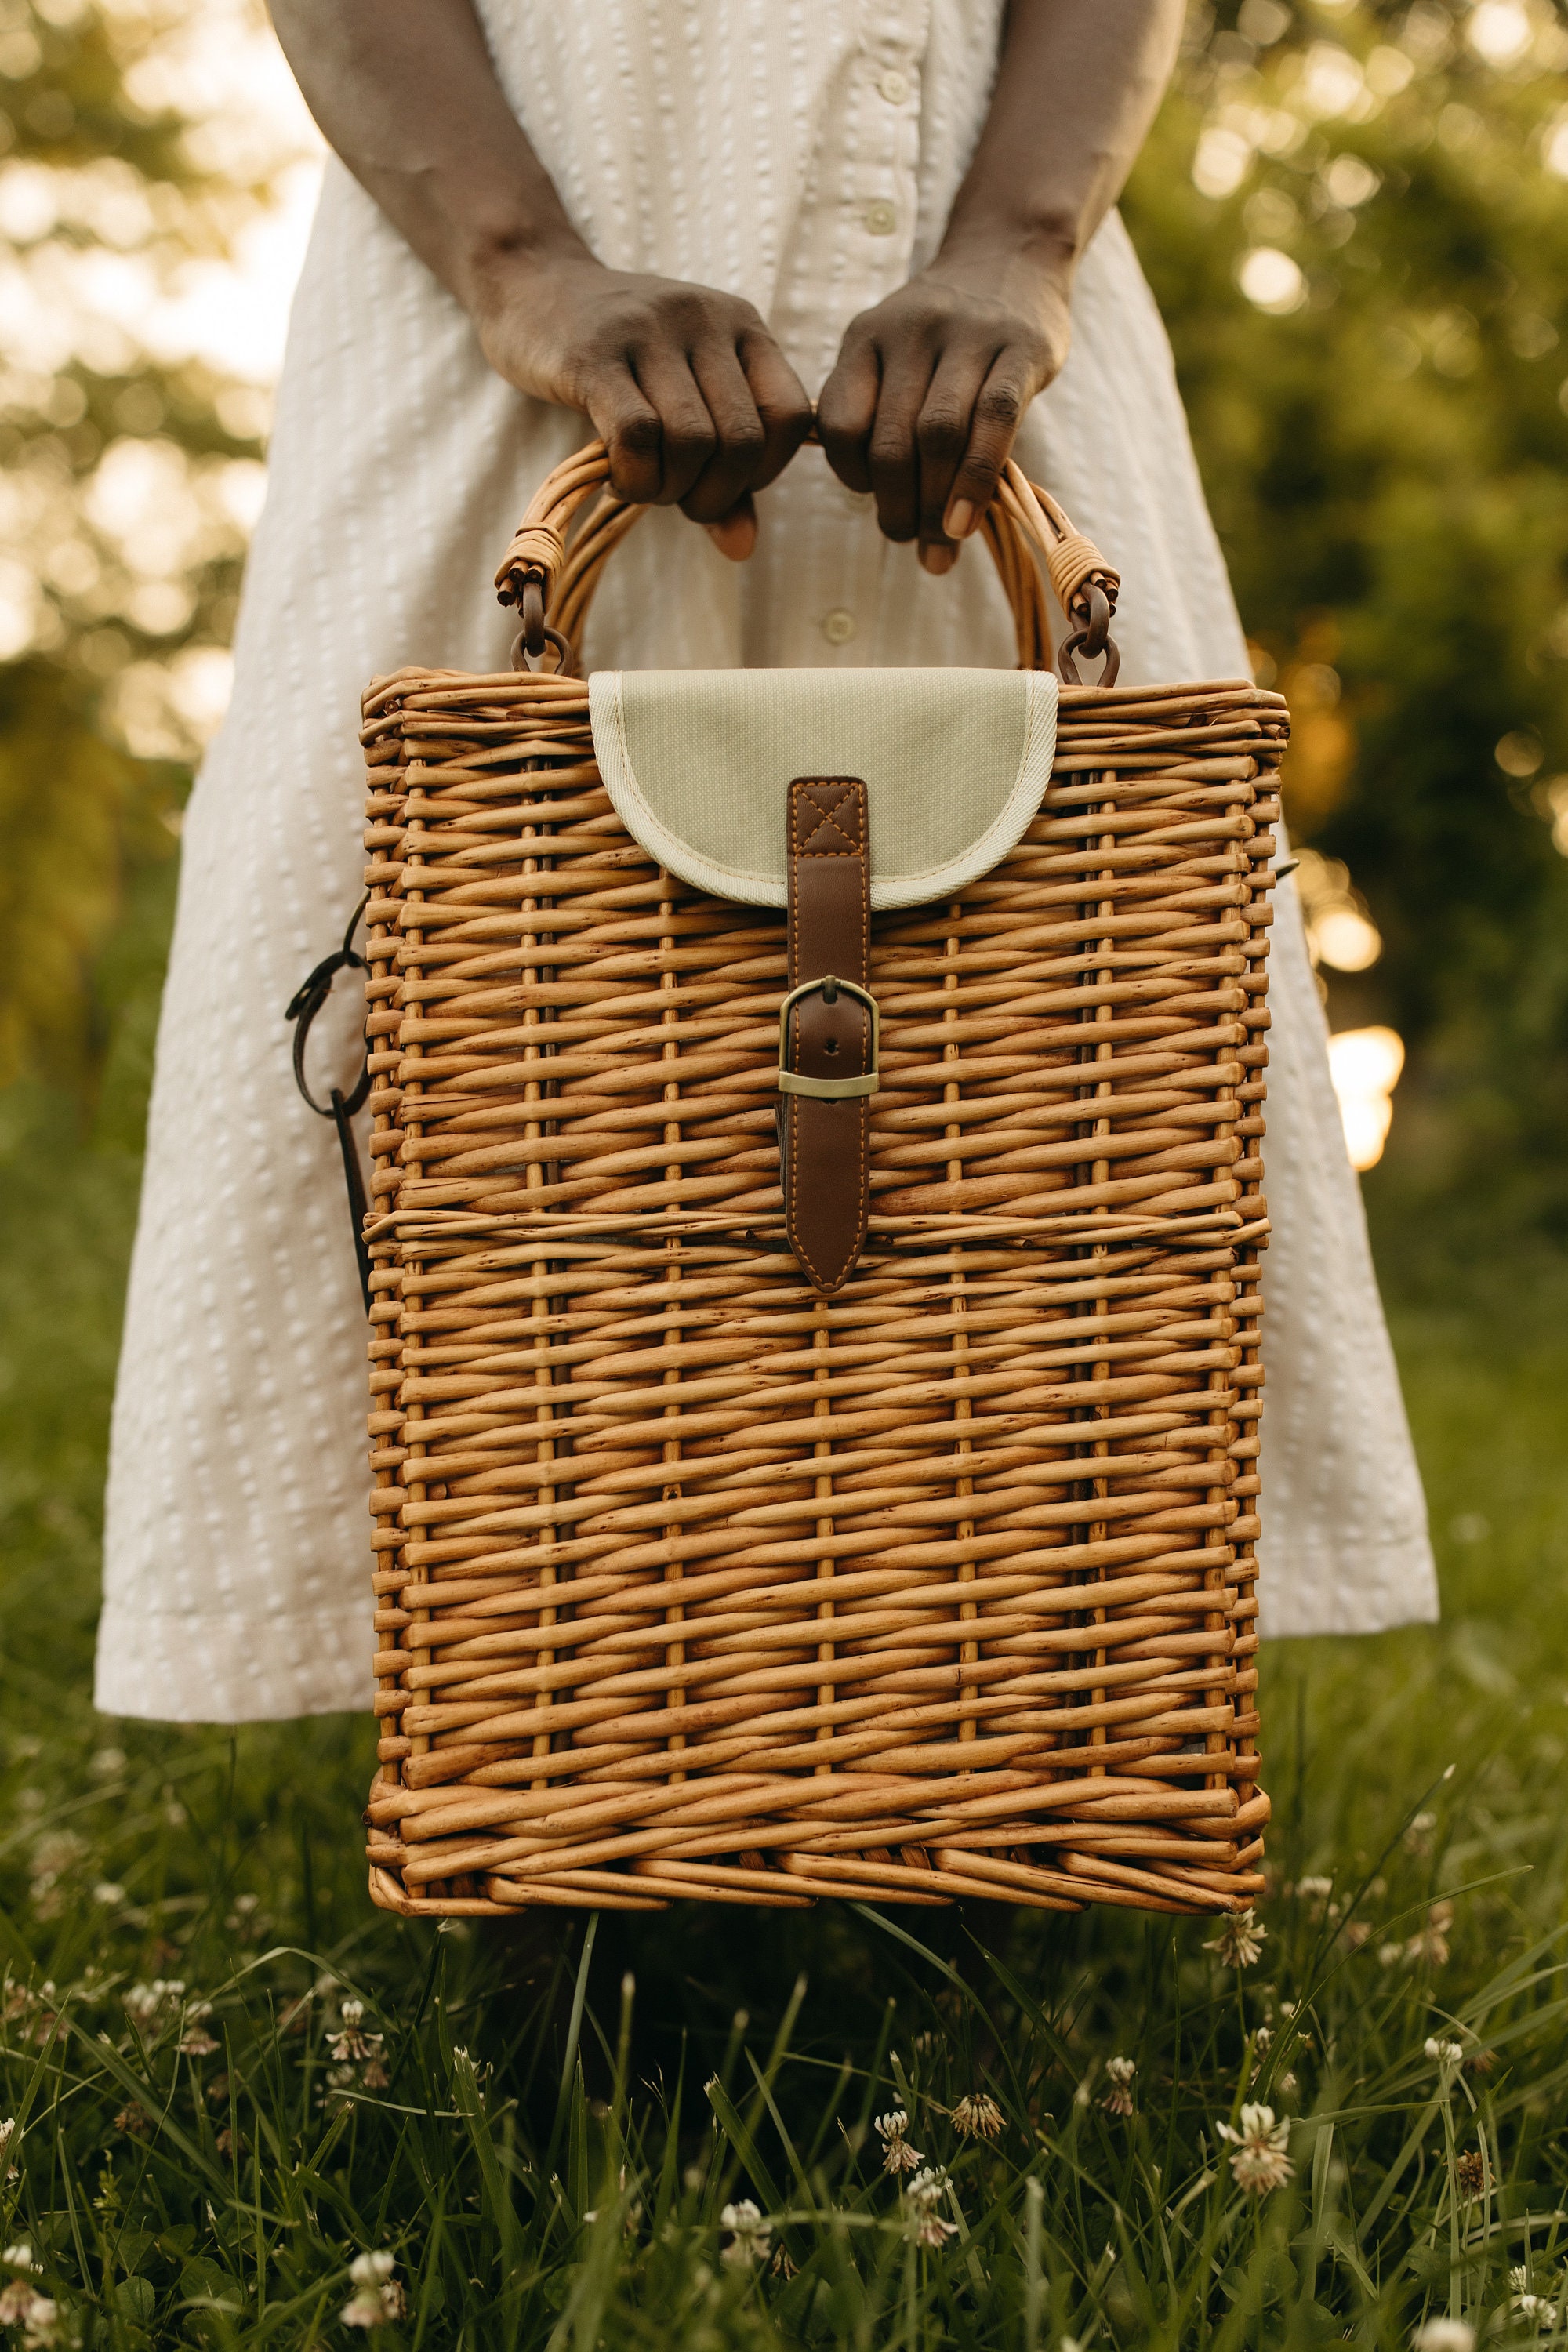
828	1031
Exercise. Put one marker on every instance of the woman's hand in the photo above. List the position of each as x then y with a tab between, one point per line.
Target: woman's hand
685	385
698	403
931	387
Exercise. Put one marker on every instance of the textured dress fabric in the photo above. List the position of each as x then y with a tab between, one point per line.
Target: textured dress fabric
803	154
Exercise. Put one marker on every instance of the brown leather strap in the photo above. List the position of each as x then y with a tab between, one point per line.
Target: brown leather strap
829	1034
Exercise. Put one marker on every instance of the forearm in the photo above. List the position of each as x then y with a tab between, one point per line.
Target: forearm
1078	85
693	397
406	93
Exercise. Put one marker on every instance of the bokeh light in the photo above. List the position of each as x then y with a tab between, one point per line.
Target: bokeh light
1364	1065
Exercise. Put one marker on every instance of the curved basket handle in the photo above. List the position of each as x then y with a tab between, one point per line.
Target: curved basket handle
553	581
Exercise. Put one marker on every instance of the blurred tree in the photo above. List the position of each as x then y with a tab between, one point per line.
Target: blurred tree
131	477
1355	218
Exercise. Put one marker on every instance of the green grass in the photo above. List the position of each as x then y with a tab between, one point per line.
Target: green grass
556	2116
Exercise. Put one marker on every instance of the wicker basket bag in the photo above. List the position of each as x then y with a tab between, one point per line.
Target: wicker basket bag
815	1456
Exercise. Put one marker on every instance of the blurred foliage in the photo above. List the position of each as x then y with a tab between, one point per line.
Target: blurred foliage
129	474
1381	432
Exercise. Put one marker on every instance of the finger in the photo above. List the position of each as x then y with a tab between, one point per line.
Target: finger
688	436
781	402
629	427
736	535
893	454
847	408
994	427
738	435
943	433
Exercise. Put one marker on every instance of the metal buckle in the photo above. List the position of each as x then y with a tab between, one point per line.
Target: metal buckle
828	1089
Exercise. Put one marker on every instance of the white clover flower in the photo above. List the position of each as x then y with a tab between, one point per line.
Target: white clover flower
21	2305
147	2004
1431	1944
1445	2334
978	2116
1257	2151
350	2046
379	2297
1315	1890
1443	2054
750	2235
107	1893
1118	2100
922	2196
898	2156
1262	2038
56	1850
1240	1940
40	2322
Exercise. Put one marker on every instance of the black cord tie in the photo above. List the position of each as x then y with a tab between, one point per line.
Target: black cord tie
303	1008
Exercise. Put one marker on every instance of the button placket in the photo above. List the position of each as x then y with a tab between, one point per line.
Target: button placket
894	35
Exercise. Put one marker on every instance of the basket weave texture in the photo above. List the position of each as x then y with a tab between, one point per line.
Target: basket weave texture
691	1583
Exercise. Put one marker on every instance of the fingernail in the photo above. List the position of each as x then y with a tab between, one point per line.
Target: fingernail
960	520
736	536
938	559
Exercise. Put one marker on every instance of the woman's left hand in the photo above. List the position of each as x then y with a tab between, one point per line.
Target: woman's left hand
930	389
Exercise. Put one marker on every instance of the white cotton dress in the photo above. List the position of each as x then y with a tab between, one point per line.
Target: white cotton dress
803	154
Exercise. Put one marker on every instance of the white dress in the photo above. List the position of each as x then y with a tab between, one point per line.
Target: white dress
803	154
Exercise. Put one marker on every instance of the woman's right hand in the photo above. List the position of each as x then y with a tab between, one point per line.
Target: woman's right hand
692	397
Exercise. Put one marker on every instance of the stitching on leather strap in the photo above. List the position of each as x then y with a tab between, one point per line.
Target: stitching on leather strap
827	820
826	812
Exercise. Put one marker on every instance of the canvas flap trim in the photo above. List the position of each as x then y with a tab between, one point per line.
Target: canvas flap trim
699	765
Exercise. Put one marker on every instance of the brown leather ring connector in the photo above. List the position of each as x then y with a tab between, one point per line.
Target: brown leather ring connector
828	1029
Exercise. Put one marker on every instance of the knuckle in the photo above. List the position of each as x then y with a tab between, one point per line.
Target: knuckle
941	432
638	432
743	437
683	306
1000	403
692	441
628	321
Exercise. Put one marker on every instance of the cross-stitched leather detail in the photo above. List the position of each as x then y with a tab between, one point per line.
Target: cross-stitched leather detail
838	832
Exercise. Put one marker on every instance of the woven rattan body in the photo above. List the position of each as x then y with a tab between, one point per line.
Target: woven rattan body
691	1583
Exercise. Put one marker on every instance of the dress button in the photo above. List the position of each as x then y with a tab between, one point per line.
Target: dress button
881	219
839	627
894	86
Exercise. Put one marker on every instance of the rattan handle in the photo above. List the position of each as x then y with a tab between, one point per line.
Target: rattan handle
554	582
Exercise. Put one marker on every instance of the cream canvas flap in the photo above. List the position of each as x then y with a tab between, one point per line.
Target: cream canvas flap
698	763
